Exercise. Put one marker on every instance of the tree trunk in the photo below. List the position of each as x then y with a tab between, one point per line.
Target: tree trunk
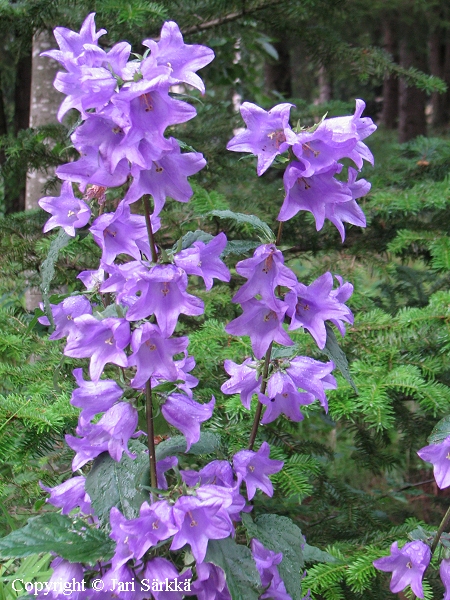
325	92
277	75
436	64
389	113
15	189
412	121
45	101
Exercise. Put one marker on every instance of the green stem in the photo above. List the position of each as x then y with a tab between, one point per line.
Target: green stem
263	391
148	222
150	434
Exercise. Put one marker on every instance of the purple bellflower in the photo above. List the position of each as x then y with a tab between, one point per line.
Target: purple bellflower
153	354
407	564
182	59
162	466
64	314
444	572
204	260
312	193
262	323
102	341
210	583
166	177
310	306
267	133
254	467
110	434
185	414
94	397
122	233
67	211
199	521
264	271
439	456
69	495
266	562
312	376
163	293
217	472
244	380
161	573
282	397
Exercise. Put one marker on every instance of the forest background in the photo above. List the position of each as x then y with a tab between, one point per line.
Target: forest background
352	480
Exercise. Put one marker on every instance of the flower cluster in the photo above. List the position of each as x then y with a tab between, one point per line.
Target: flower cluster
125	106
309	180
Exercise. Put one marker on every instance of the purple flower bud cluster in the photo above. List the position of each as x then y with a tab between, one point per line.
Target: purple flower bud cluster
309	180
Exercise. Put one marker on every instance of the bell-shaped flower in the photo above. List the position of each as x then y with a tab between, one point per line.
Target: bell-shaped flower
254	467
210	583
312	193
72	44
204	260
102	341
186	414
407	565
262	323
111	434
122	233
312	376
244	380
217	472
264	271
64	314
67	211
182	59
266	561
267	133
154	524
93	169
199	521
165	177
69	495
444	572
92	280
439	456
159	573
153	354
282	397
163	293
94	397
162	466
66	576
349	212
310	306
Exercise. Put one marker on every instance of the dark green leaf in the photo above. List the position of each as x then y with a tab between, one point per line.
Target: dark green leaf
239	247
336	354
110	483
255	222
237	562
189	238
280	534
314	554
74	540
48	269
440	432
209	442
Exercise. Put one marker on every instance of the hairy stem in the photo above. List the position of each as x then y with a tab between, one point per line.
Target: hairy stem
151	238
263	390
150	434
